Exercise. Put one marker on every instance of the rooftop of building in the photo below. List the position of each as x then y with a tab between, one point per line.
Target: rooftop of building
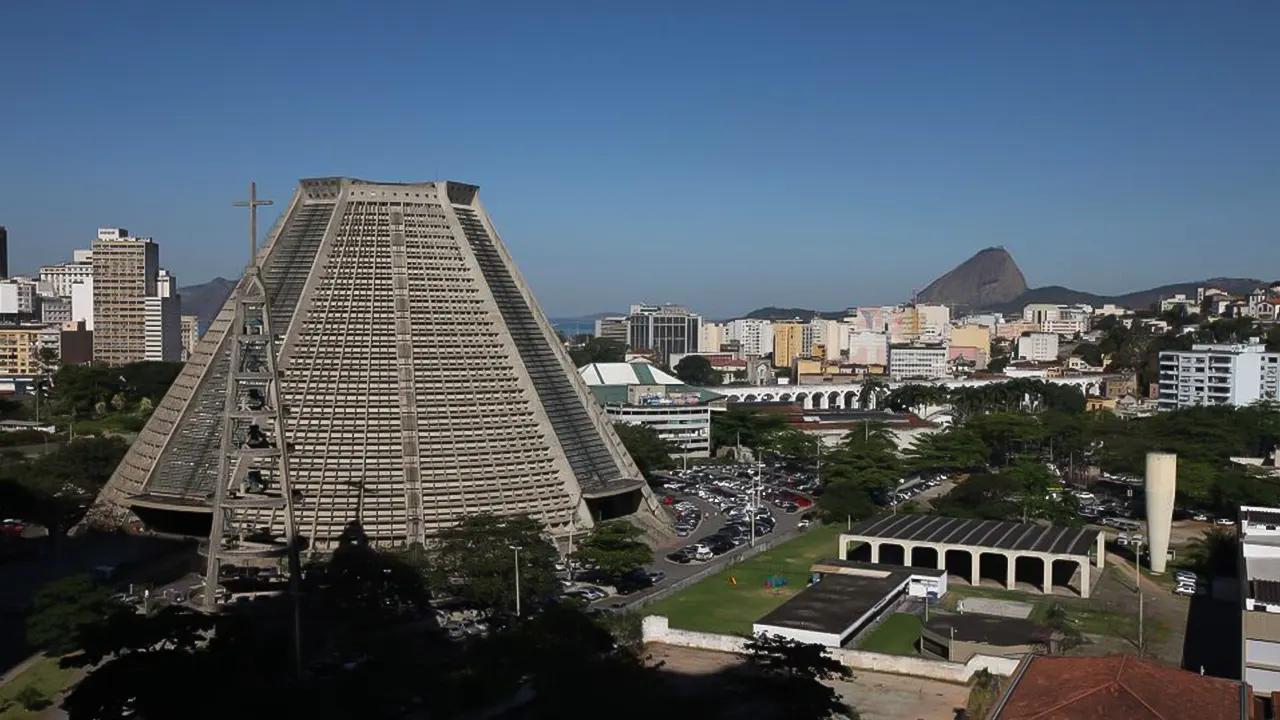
1070	688
988	629
626	373
846	592
609	383
995	534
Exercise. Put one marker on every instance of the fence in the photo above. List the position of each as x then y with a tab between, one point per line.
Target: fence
656	629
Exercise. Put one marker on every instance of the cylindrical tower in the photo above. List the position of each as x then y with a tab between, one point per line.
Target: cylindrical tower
1162	477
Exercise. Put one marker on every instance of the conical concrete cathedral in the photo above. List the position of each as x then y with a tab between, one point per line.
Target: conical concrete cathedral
418	382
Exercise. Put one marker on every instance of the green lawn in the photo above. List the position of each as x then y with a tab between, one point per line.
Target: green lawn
716	605
897	636
45	676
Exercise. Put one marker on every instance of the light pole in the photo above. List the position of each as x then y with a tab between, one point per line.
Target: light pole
516	548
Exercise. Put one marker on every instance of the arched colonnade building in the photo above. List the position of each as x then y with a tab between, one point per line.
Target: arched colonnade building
1004	553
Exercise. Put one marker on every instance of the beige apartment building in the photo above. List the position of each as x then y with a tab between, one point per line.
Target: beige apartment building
18	351
124	276
190	335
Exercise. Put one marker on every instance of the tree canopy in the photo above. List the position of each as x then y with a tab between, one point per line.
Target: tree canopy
61	610
649	451
616	548
696	370
475	560
598	350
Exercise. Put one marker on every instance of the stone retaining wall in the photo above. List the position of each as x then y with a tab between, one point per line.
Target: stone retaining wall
658	630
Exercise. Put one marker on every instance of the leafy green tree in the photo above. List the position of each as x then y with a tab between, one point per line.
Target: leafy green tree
745	425
796	445
1006	434
646	447
696	370
1033	480
475	559
63	608
599	350
1090	353
871	393
951	450
616	547
793	674
988	497
847	500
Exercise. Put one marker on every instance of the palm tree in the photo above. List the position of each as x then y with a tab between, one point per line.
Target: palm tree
1214	553
873	390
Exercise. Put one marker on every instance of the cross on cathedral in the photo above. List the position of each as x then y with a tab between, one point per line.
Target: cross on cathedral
253	203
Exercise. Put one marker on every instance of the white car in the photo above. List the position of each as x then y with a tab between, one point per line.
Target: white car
1224	521
1185	577
1200	517
1185	589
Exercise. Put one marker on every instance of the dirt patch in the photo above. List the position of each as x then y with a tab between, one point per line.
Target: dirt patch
877	696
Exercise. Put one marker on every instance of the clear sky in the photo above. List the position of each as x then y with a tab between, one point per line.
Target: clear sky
724	155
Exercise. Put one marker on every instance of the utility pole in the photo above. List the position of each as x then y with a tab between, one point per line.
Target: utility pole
516	548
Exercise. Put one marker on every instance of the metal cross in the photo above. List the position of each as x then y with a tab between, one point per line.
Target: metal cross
253	203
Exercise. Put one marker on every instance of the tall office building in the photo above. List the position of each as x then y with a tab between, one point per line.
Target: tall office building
665	329
124	276
1218	374
418	381
4	252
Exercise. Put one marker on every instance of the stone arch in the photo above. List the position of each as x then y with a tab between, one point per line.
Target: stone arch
892	553
833	399
750	397
819	401
802	399
766	397
851	399
785	397
995	567
959	563
1029	570
923	556
731	398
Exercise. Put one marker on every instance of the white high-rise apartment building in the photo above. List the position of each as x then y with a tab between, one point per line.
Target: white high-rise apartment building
17	297
59	279
164	320
917	361
82	302
1038	347
753	335
1213	374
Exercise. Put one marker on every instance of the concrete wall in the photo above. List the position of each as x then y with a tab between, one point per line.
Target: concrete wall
657	630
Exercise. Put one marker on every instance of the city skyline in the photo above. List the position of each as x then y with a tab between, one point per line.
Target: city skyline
899	141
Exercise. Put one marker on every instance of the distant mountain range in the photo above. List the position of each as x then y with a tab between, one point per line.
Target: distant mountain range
205	300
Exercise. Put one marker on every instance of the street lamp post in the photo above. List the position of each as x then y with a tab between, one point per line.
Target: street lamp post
516	548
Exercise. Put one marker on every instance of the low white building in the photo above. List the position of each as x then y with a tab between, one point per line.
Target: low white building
1038	347
1218	374
638	393
918	361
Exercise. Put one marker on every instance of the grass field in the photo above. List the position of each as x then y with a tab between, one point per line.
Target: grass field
897	636
716	605
45	676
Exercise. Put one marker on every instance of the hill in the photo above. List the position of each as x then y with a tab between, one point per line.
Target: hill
990	277
779	313
1132	300
206	299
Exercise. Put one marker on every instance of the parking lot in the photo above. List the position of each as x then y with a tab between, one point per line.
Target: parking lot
711	499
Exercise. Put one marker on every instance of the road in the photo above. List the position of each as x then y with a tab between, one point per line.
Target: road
712	521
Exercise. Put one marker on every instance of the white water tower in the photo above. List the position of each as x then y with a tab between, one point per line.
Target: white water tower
1161	485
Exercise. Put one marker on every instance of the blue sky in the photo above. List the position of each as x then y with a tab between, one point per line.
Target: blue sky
725	155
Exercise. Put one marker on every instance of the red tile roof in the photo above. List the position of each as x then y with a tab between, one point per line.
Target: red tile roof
1122	687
